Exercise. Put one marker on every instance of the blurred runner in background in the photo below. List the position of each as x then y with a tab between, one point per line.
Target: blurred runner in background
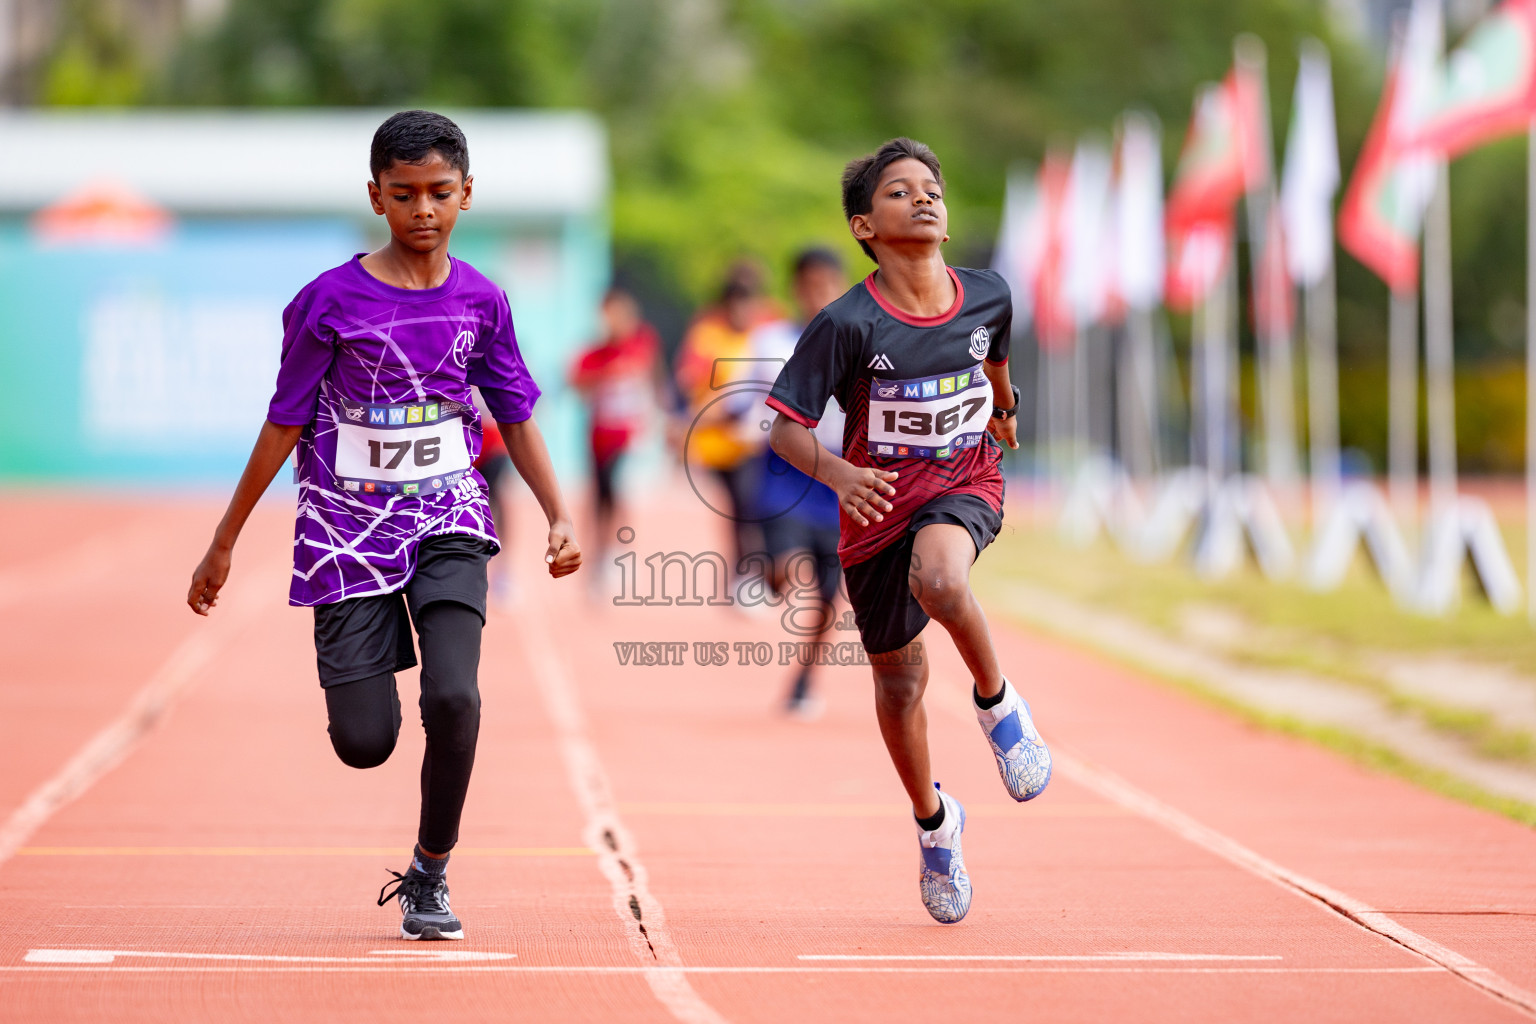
617	378
799	514
712	354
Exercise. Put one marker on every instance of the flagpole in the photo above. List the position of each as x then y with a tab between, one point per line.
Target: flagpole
1403	410
1323	395
1439	354
1530	373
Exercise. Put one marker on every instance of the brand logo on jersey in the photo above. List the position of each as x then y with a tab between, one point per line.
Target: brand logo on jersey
396	417
369	487
462	345
883	449
981	340
942	453
889	391
963	381
924	453
881	362
902	450
947	386
930	388
437	483
413	414
350	485
355	414
412	488
376	415
432	412
910	390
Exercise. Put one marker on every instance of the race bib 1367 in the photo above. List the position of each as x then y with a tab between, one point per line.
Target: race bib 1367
930	417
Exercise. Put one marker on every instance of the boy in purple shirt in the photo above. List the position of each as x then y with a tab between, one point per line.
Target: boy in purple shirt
393	522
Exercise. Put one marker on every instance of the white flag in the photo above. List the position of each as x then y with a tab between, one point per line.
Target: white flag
1311	170
1020	241
1087	261
1140	247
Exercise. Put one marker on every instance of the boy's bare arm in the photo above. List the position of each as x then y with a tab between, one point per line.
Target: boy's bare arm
525	444
860	490
1006	431
273	446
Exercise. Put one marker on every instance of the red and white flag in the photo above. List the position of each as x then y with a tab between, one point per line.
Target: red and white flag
1141	249
1488	89
1054	326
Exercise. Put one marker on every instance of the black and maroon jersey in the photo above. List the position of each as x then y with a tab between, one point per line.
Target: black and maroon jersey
913	389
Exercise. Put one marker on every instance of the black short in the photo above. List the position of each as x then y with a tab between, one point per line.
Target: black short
786	535
368	636
884	606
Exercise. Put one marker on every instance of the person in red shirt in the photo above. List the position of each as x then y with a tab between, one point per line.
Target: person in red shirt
618	378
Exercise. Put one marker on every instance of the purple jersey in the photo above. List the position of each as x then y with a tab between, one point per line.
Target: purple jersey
379	377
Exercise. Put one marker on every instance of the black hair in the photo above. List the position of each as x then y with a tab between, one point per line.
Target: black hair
411	136
861	176
817	256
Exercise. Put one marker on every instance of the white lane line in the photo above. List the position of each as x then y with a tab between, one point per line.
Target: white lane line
578	969
107	749
107	956
641	913
1035	957
1115	789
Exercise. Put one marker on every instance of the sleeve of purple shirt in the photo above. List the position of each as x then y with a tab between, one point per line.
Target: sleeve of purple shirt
497	369
306	358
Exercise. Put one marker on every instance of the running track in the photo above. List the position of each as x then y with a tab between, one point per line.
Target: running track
178	843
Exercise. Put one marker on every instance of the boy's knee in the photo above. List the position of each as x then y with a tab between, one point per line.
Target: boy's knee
943	595
362	748
898	691
451	707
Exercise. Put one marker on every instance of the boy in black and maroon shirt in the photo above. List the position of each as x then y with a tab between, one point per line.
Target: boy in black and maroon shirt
917	356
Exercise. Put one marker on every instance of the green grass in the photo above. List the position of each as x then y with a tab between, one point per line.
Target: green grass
1288	626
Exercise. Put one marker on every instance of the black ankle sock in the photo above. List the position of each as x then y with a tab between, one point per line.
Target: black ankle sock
428	865
988	702
929	824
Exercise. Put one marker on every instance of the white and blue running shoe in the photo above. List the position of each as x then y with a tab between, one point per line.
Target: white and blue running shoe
1023	760
945	886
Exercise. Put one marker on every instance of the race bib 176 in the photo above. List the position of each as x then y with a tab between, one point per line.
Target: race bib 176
928	418
400	449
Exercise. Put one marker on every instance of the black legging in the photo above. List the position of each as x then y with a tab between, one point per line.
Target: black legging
365	718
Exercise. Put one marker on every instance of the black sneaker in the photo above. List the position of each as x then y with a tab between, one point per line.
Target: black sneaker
424	902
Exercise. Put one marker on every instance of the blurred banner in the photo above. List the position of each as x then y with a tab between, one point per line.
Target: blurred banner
143	278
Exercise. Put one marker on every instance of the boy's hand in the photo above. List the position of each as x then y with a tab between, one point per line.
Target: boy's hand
563	555
1005	431
859	492
208	579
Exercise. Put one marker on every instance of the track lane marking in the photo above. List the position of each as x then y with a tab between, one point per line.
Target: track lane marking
146	709
290	851
576	969
1038	957
644	920
1357	912
107	956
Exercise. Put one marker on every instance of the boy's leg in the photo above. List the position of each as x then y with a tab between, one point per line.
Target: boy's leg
942	554
900	678
450	713
364	720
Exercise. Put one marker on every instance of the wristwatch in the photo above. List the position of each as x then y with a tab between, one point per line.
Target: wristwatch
1008	414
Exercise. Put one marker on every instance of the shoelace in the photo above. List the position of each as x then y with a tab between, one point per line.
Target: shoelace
420	893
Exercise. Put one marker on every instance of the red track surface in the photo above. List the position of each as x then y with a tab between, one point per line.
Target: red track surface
215	832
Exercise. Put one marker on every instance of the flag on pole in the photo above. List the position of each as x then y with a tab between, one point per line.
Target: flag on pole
1053	316
1140	246
1311	175
1273	301
1489	85
1087	262
1384	206
1222	155
1019	242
